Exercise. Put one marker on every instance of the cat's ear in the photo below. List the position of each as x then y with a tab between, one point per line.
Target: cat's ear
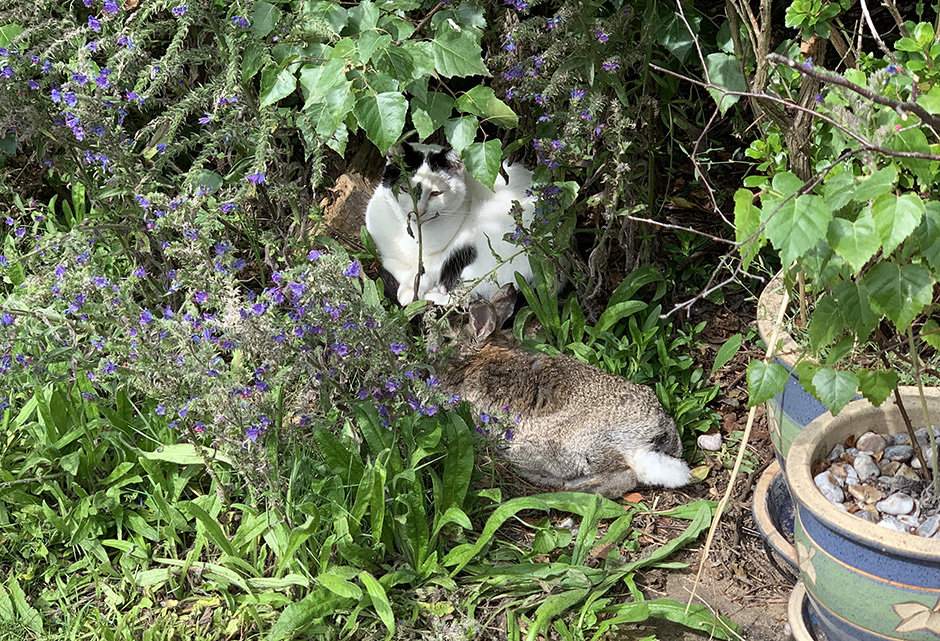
454	162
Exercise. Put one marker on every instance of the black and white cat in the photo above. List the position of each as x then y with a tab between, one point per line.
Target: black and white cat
462	225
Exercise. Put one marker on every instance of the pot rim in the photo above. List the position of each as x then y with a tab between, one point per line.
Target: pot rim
777	541
768	305
799	627
810	443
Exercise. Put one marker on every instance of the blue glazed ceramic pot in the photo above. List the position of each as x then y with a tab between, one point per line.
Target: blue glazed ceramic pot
865	582
774	513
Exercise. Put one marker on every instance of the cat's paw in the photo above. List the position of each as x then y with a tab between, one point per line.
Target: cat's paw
438	297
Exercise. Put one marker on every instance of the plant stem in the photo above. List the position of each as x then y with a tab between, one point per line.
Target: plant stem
801	281
915	359
904	415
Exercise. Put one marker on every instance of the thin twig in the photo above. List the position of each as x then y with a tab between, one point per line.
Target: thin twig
657	223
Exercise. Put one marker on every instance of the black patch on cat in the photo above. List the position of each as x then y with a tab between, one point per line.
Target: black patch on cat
455	264
389	284
441	161
411	158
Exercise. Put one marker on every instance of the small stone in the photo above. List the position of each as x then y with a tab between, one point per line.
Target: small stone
829	487
910	520
907	472
898	503
892	523
930	526
900	453
865	493
888	468
902	438
872	512
866	468
851	452
866	516
870	442
710	442
844	474
837	452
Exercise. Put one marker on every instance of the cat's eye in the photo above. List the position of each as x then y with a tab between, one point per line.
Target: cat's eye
435	193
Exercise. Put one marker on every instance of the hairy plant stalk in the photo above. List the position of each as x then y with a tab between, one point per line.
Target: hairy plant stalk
801	282
915	359
904	415
742	448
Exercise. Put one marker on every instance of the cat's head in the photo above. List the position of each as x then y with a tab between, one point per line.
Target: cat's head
435	179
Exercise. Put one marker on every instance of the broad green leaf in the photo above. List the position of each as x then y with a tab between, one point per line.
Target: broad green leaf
29	616
914	140
371	41
252	61
827	323
330	114
422	56
747	222
855	241
877	385
616	312
551	607
853	302
724	72
930	100
875	185
397	61
276	83
317	81
928	234
428	116
895	218
457	52
835	388
339	586
363	16
482	160
839	190
8	32
460	132
317	604
458	463
331	13
764	381
930	332
264	17
900	292
382	116
482	101
695	616
379	601
185	454
726	352
673	33
798	225
213	529
7	613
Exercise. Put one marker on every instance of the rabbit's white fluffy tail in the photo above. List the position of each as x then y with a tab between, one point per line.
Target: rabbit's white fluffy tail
656	468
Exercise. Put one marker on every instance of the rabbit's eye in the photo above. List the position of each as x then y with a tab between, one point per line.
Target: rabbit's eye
434	193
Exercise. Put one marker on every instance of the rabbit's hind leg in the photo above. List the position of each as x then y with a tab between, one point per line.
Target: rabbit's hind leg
610	483
656	468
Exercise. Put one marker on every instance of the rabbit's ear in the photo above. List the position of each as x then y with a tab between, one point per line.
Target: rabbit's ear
483	319
504	302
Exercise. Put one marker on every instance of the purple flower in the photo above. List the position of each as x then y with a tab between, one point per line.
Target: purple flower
181	11
205	120
340	349
201	296
3	261
124	41
92	46
60	271
397	348
313	255
227	208
161	409
130	95
259	308
146	317
553	22
252	433
6	319
110	6
241	22
7	71
892	70
256	179
819	98
353	270
140	272
90	376
55	94
509	45
577	94
611	65
94	24
601	36
110	368
808	65
32	84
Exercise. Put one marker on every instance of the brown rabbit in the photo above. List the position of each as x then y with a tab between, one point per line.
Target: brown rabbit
577	427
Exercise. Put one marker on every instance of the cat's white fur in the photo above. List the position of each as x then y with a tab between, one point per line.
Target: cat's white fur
455	211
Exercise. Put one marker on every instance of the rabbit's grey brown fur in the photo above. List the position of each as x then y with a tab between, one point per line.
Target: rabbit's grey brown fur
578	428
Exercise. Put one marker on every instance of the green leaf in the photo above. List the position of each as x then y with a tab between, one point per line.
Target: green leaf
827	323
855	241
428	116
899	292
695	616
913	140
252	61
339	586
317	604
70	462
8	32
363	16
379	601
264	17
317	81
276	83
928	234
382	116
724	71
617	312
397	61
551	607
839	190
457	52
764	381
674	35
875	185
482	160
896	217
877	385
213	529
798	225
835	388
371	41
747	222
854	304
185	454
460	132
726	352
482	101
